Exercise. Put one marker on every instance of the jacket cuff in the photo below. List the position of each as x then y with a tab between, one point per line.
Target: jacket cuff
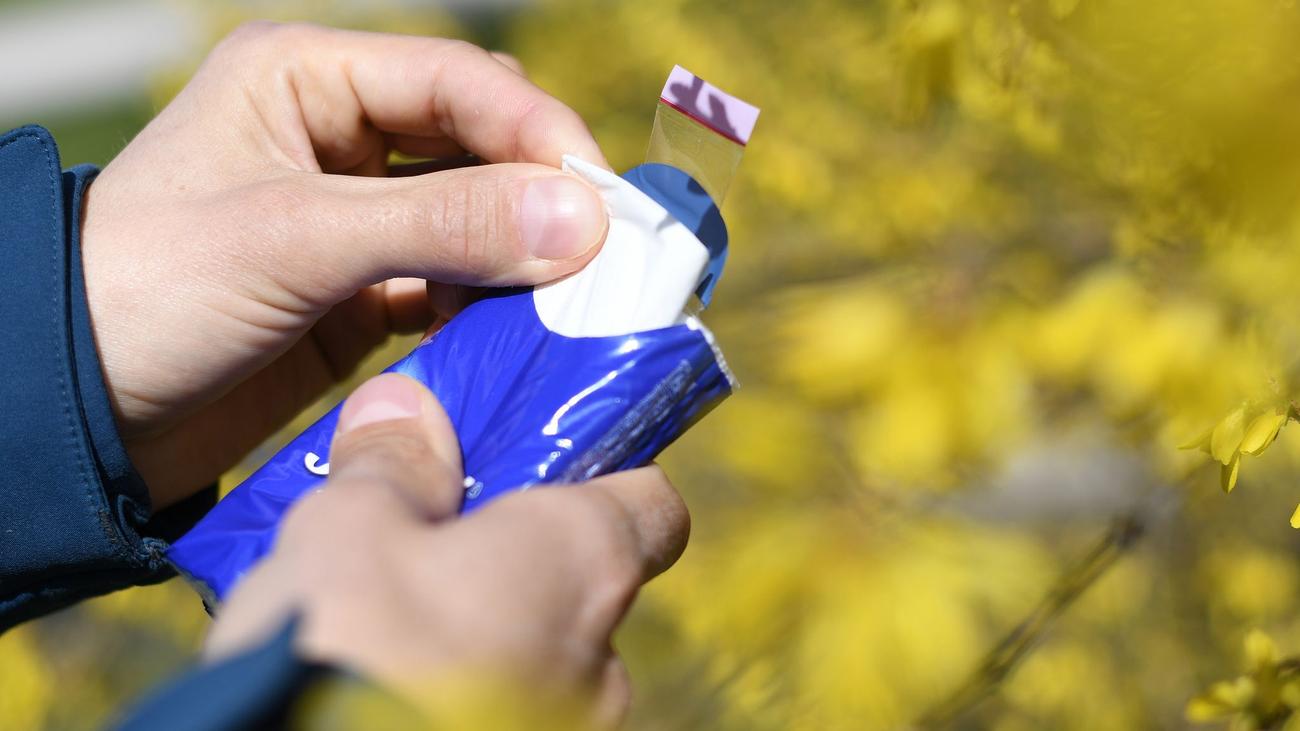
74	513
254	690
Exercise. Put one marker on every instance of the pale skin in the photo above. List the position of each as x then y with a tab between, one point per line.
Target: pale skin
252	245
385	578
240	253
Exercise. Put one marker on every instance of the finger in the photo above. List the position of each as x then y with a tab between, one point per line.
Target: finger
613	694
182	460
447	300
253	612
349	331
368	158
424	146
483	104
393	434
409	309
490	225
612	534
509	62
653	508
424	167
428	87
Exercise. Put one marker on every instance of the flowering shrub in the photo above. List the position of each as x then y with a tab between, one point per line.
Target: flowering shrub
993	262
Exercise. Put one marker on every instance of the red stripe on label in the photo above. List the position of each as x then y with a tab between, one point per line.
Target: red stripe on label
703	122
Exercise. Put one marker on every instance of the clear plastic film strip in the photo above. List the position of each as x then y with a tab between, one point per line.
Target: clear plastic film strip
701	130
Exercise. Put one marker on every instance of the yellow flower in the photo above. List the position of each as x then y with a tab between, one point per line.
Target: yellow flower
1261	651
1263	698
1261	432
1234	436
1228	474
1225	440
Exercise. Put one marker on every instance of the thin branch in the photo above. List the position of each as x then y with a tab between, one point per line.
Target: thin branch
1007	654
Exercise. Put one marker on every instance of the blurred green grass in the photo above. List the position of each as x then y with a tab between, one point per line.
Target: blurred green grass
90	135
85	134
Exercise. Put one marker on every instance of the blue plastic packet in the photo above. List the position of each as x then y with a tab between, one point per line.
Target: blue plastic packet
555	384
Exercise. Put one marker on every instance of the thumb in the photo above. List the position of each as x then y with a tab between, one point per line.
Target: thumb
394	460
395	443
488	225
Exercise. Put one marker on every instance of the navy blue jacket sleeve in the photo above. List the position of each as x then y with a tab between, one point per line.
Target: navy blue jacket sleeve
253	690
74	515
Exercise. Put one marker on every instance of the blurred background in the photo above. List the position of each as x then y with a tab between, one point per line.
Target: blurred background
993	263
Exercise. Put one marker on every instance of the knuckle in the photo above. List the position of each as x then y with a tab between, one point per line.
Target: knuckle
534	113
672	506
470	217
676	515
456	49
540	115
252	29
249	34
509	60
265	43
259	30
665	518
609	538
499	217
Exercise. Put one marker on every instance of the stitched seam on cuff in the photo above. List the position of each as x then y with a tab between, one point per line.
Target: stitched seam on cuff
59	320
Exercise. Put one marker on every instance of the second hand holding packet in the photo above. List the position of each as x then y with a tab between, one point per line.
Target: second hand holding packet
560	383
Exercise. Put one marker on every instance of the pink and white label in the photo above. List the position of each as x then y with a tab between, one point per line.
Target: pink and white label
709	105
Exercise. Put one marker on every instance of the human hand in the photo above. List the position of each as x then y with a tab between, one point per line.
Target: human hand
387	581
247	249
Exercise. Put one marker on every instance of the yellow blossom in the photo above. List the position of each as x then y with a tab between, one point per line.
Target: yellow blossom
1227	441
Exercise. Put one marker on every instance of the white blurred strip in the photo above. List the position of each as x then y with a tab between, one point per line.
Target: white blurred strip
71	55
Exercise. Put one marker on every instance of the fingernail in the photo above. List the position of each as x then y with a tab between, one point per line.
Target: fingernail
560	217
382	398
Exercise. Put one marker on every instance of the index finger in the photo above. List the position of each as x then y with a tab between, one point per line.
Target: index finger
653	509
440	87
627	527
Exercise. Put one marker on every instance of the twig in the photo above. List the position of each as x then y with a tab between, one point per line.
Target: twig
1003	658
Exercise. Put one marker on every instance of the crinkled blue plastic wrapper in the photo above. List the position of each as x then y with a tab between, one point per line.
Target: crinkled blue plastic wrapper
529	405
